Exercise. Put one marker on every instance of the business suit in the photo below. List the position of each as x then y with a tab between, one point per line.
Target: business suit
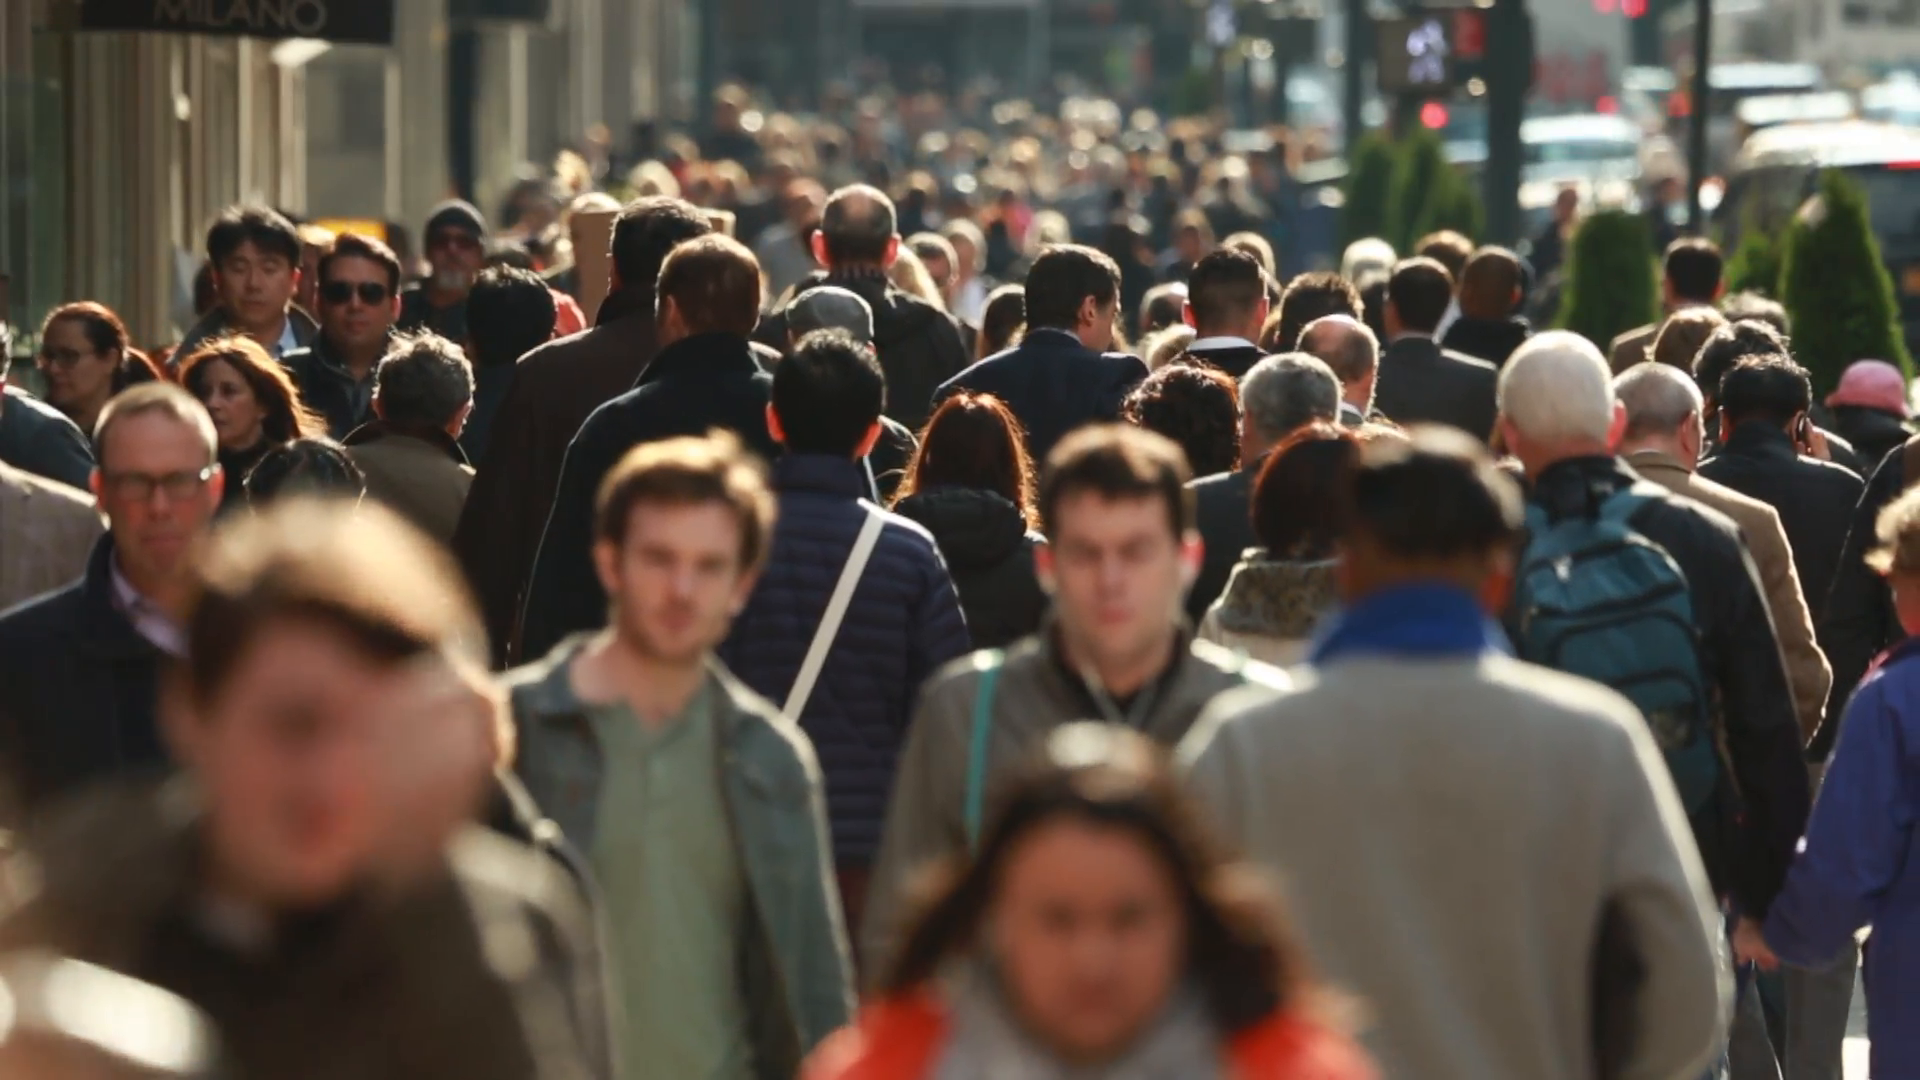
1632	346
46	531
1422	383
1052	383
1230	354
1223	510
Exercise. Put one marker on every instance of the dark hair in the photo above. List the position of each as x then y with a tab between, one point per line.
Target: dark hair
389	589
355	246
1436	496
1767	389
1730	344
1373	301
1240	956
1224	289
1308	297
646	230
106	333
423	381
260	226
714	282
711	468
1693	267
1064	277
1117	461
1488	283
975	441
1300	494
1255	245
510	312
1420	290
858	223
1680	336
1160	307
1748	304
1196	406
1448	248
287	417
1002	318
828	393
306	466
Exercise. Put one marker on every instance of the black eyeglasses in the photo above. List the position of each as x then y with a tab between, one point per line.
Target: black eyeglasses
339	292
54	356
139	487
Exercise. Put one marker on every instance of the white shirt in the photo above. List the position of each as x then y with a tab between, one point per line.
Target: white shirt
161	630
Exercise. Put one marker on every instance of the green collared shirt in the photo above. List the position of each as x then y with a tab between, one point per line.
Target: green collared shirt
674	893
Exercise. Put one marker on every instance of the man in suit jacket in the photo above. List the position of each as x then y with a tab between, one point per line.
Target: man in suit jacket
1662	444
1420	382
1061	375
1226	306
1689	277
46	531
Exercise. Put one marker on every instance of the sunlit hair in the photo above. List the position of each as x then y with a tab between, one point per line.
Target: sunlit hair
974	441
287	417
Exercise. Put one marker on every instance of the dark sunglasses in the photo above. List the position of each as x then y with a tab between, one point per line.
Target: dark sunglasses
339	292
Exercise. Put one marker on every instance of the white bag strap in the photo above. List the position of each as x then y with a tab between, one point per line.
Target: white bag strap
836	612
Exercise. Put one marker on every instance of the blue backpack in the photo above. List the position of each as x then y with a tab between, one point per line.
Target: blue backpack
1596	599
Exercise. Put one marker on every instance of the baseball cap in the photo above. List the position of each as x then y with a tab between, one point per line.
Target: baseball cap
830	307
1872	384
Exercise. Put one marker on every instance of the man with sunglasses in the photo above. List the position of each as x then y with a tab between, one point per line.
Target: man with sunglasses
359	299
79	666
456	239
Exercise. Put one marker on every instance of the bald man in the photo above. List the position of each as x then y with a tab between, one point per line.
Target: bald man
1350	349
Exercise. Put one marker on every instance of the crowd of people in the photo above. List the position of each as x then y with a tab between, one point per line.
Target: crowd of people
915	643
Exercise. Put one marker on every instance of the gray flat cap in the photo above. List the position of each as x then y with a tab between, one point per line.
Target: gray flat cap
830	307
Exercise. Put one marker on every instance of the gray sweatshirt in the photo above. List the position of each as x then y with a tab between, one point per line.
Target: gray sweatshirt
1491	856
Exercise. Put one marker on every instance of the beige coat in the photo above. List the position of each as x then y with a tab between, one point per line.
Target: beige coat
47	529
421	481
1632	346
1807	669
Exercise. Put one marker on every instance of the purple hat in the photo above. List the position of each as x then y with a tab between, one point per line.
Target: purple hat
1872	384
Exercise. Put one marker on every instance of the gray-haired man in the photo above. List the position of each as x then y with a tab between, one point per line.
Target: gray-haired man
422	393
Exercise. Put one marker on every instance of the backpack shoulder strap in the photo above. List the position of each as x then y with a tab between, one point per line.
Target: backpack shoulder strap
837	603
1620	506
988	663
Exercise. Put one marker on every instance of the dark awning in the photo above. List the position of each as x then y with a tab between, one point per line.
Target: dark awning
339	21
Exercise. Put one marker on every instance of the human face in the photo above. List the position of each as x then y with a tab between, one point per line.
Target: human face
256	286
456	256
288	754
358	319
155	523
676	582
1088	935
1117	571
79	379
238	414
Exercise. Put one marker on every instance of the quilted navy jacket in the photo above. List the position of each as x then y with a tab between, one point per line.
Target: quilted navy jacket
904	622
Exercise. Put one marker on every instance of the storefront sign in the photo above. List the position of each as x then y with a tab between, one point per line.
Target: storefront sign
343	21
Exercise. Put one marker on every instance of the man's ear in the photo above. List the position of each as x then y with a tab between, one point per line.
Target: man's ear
606	565
1043	567
773	426
1616	427
1193	551
866	441
893	251
1186	314
97	485
819	247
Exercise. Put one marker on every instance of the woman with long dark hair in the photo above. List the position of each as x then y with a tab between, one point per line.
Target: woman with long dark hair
253	402
971	484
87	358
1098	932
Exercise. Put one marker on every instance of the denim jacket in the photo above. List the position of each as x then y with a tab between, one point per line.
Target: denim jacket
797	978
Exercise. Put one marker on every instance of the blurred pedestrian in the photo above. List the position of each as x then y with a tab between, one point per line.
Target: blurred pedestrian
37	438
1162	307
1003	321
1413	693
1197	407
47	530
830	307
1451	250
699	807
510	314
553	390
310	881
1549	250
1281	590
1489	294
918	343
314	243
1306	298
81	666
312	466
1870	408
971	485
1120	548
785	250
1353	353
1205	981
967	298
1193	238
1281	395
1421	382
1681	336
1366	255
410	452
255	256
456	246
1061	374
87	358
705	376
848	677
252	400
359	294
1226	306
1691	275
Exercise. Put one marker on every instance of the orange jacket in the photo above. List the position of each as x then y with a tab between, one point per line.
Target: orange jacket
901	1040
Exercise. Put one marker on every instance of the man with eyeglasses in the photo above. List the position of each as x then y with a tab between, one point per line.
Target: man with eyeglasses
79	667
456	238
359	297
